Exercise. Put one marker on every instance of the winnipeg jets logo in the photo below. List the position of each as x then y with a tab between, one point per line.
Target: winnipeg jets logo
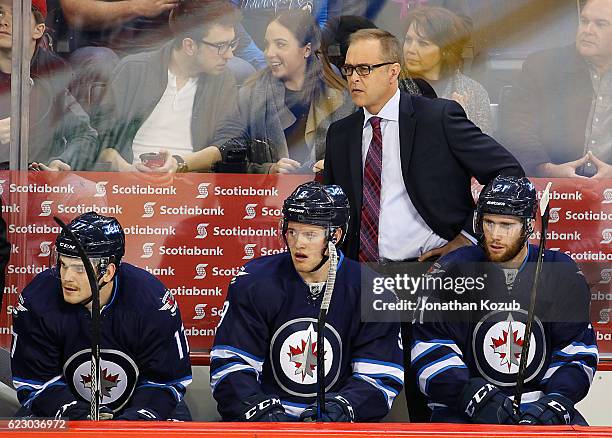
200	271
202	231
45	208
20	307
554	215
497	344
304	357
203	191
169	303
249	252
250	211
294	350
508	346
606	236
607	196
147	250
100	189
148	209
107	383
45	249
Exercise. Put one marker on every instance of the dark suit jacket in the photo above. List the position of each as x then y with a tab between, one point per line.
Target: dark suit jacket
440	151
545	114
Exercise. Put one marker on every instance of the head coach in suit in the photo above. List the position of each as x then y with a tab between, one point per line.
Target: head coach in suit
405	163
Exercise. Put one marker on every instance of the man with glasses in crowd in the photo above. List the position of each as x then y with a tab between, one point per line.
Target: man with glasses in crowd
168	102
409	157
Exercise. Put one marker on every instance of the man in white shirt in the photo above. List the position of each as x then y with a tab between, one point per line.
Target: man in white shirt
169	101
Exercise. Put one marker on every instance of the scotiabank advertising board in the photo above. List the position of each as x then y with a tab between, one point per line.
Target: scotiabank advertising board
194	232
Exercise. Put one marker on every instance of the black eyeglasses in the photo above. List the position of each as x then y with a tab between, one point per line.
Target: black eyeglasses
222	48
361	69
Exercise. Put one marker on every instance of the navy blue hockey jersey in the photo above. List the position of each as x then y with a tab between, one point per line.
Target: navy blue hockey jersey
563	353
266	343
144	351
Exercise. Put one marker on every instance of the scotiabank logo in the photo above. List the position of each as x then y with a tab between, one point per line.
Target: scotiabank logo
604	316
45	208
249	251
200	312
606	235
200	271
607	196
606	276
554	215
149	211
202	231
147	250
203	191
2	181
250	211
100	189
45	249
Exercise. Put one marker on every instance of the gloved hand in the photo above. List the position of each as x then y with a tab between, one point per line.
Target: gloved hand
134	414
551	409
485	403
337	409
75	410
264	408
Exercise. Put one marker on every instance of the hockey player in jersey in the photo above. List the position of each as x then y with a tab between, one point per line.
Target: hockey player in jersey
145	364
468	369
263	362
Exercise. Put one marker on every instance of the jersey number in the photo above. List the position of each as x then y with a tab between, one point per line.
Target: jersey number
180	341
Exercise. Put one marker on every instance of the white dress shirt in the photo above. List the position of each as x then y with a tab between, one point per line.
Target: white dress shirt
169	125
402	232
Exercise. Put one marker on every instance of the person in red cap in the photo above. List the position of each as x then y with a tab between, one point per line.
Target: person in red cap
61	137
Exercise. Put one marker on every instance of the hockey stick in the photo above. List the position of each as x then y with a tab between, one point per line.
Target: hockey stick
95	322
520	378
327	295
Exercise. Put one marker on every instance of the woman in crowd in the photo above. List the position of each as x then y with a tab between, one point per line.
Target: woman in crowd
433	49
289	105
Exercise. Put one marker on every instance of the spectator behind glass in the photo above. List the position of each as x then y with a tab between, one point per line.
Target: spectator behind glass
171	100
335	37
433	48
290	104
61	137
559	112
103	31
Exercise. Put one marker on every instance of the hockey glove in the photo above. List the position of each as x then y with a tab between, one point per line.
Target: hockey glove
337	409
134	414
551	409
485	403
75	410
264	408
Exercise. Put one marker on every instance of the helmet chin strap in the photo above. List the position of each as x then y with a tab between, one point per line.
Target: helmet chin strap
324	252
101	284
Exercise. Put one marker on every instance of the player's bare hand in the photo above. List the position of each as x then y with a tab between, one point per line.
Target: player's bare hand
5	130
153	8
565	170
318	166
604	170
285	165
454	244
53	166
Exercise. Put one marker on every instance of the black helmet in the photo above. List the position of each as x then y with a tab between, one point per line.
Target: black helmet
100	236
507	195
317	204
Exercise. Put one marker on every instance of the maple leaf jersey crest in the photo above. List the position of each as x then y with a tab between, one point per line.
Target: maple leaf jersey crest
294	352
497	344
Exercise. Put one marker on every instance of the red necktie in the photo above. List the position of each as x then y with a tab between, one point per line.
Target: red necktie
370	208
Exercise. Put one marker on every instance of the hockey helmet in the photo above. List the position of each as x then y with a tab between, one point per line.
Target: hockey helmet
507	195
317	204
101	237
